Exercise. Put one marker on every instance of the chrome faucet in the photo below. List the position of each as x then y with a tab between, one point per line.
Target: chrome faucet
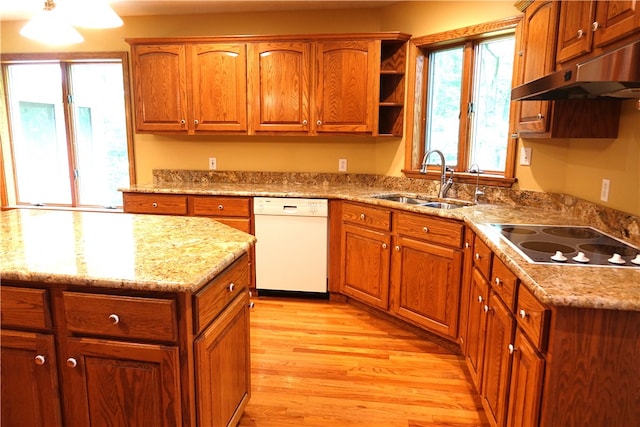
445	184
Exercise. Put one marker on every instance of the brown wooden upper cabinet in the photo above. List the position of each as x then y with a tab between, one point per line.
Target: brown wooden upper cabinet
308	85
190	88
587	26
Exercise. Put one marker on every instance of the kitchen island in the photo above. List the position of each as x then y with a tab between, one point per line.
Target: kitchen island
119	319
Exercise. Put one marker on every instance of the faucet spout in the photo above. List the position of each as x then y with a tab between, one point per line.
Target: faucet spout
444	184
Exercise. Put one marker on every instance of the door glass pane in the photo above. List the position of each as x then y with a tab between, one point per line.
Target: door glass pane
100	133
491	100
443	104
39	135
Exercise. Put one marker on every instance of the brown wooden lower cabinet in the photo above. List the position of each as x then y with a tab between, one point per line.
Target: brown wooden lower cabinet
525	388
127	357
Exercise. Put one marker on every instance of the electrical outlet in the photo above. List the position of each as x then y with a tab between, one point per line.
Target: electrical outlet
525	156
213	163
604	190
342	165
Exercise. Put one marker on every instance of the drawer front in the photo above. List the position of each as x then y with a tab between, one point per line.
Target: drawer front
221	206
210	301
237	223
533	317
24	307
504	282
431	229
120	316
482	257
379	219
165	204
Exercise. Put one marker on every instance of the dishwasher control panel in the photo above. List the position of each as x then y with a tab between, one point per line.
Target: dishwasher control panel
290	206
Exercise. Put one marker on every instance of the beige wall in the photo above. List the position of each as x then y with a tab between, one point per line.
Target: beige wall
569	166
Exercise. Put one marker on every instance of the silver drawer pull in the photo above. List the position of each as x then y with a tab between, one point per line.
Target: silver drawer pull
384	246
397	248
478	256
71	362
114	319
231	287
39	359
512	349
498	281
523	314
480	299
154	204
220	207
362	216
251	305
486	308
425	229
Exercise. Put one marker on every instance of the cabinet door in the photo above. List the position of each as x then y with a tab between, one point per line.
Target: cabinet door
365	265
477	326
526	384
426	284
574	31
537	60
616	19
279	81
121	383
347	87
219	87
223	377
160	84
30	394
497	360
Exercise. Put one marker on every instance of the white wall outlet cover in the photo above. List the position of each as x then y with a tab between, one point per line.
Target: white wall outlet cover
213	163
604	190
525	156
342	165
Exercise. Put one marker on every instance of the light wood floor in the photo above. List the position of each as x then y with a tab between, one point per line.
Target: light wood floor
320	363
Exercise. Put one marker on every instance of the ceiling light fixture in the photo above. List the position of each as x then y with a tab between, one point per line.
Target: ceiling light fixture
50	27
91	14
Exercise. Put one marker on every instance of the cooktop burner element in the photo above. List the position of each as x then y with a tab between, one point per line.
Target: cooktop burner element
569	245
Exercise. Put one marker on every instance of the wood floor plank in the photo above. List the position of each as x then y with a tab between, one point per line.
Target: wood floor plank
320	363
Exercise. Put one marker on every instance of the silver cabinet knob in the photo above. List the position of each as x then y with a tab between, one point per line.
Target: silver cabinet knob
425	229
397	248
595	26
39	359
114	319
319	122
486	308
231	287
540	116
384	246
498	281
478	256
195	122
154	204
251	305
71	362
512	349
467	245
480	299
523	314
183	121
304	122
220	207
580	33
362	216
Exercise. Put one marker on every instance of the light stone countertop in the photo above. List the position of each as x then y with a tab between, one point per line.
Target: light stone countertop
116	250
616	288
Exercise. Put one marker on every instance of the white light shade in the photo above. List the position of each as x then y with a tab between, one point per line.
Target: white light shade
50	27
90	14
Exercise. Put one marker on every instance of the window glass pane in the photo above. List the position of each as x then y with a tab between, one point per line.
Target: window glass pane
491	101
100	133
39	136
443	104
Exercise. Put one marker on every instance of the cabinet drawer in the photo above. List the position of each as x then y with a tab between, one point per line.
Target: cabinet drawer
210	301
482	257
120	316
369	216
167	204
430	229
504	282
533	317
221	206
24	307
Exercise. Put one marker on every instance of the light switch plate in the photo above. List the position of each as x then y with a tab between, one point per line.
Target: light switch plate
525	156
342	165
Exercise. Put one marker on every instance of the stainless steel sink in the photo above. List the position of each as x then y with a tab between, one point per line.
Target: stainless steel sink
419	201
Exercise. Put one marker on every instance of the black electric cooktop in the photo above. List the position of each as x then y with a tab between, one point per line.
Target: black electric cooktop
569	245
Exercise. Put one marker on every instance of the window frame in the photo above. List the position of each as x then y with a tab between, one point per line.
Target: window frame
418	57
9	177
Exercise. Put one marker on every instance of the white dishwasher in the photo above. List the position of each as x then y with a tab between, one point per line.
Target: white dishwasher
291	251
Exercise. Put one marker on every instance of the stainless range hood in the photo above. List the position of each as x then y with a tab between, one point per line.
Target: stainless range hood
614	74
